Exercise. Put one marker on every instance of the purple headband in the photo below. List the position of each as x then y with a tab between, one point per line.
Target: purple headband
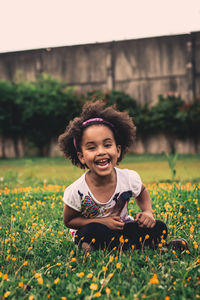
100	120
97	120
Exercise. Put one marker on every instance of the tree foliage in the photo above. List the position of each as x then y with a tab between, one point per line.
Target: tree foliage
40	110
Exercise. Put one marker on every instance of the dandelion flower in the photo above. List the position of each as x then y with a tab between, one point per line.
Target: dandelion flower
121	239
56	280
118	265
73	259
89	275
40	280
5	277
107	290
81	274
154	279
97	294
79	290
37	275
21	284
93	286
6	294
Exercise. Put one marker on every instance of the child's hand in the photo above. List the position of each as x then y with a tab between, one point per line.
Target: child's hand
113	222
145	219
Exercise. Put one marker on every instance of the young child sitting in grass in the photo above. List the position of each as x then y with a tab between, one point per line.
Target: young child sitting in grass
96	204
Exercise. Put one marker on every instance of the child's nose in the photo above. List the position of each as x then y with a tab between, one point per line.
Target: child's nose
101	150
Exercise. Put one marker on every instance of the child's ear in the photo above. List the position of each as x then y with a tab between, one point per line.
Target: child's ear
81	158
118	151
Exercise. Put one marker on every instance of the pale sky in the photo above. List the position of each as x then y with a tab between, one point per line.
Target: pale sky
32	24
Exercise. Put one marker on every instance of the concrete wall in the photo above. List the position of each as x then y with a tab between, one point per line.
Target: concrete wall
143	68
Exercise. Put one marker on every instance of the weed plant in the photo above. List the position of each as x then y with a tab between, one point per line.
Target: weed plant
38	260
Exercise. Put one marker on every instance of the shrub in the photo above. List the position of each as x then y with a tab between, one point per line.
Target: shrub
48	105
40	110
11	125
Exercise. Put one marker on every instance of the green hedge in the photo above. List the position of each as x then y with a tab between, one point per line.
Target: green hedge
39	110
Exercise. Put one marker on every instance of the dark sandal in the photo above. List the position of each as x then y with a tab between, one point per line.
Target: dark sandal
178	244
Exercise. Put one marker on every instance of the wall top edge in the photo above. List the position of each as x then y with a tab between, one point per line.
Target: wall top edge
48	49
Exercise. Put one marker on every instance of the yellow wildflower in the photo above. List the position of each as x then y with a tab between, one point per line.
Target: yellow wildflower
6	294
154	279
107	290
73	259
121	239
118	265
56	280
89	275
5	277
97	294
40	280
37	275
21	284
93	286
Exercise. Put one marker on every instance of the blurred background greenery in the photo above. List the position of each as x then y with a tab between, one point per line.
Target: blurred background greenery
37	112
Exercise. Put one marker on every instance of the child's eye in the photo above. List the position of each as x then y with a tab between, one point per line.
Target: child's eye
108	145
91	148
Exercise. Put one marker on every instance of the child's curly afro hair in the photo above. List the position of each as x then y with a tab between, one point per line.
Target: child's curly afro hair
123	129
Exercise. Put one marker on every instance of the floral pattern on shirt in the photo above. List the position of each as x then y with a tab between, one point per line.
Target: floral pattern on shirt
89	208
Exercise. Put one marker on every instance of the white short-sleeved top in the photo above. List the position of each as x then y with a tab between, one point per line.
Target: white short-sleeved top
79	197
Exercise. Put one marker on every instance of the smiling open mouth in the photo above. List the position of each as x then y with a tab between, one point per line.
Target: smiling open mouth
103	162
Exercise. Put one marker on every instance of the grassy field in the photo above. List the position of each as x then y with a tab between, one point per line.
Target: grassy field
39	261
152	168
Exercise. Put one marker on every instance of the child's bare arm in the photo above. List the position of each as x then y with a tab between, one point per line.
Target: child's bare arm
144	218
72	219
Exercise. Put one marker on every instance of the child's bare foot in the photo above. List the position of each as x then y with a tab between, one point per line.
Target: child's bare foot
87	248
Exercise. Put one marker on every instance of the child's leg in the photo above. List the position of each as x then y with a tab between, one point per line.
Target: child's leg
96	235
140	237
99	236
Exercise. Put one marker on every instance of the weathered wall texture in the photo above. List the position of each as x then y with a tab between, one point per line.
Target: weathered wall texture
143	68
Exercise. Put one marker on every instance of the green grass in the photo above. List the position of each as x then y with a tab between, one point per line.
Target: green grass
152	168
39	261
